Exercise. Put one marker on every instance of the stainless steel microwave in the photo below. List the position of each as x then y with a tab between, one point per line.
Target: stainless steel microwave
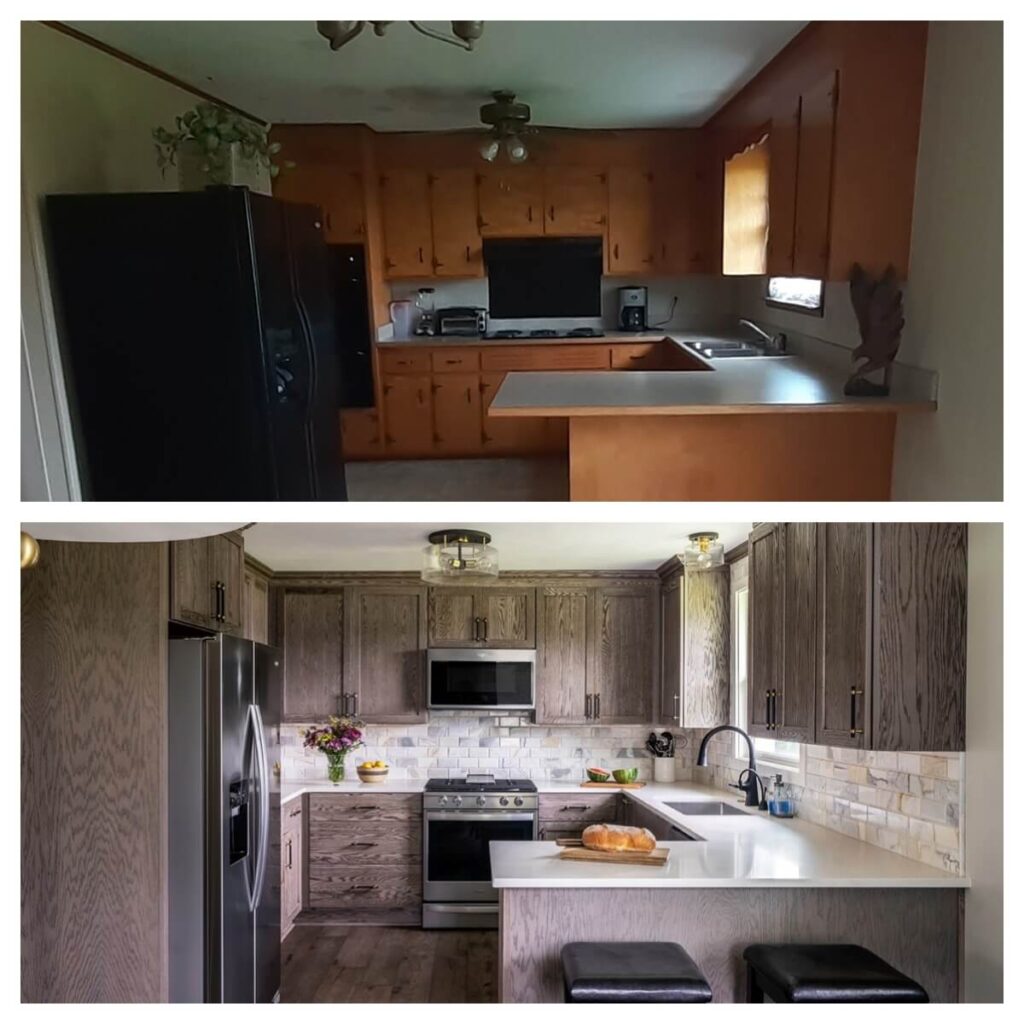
480	680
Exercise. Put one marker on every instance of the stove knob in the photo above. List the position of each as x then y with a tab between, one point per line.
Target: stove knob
458	801
443	801
503	801
481	801
519	801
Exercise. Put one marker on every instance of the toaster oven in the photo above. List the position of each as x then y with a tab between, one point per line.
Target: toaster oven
462	321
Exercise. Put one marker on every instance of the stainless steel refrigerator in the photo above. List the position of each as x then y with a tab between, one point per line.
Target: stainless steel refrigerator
224	712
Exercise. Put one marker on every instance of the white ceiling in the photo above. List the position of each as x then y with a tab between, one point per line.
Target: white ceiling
122	533
582	74
362	547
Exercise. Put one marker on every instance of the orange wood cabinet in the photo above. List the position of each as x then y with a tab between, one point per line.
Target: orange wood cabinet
408	415
457	250
511	202
360	435
405	208
575	201
338	193
631	243
458	428
515	435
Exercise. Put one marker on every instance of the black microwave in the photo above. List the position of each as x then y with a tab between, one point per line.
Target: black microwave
487	680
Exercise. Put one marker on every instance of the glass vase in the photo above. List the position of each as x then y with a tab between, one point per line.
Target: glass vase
336	767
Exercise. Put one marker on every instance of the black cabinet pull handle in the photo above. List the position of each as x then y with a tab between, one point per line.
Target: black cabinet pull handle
366	807
551	212
295	813
597	705
586	705
575	807
469	258
768	708
289	853
476	628
854	694
485	628
362	845
361	888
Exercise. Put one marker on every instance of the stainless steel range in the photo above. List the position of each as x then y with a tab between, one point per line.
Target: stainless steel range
460	819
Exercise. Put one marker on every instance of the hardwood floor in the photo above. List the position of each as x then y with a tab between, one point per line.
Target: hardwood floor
366	964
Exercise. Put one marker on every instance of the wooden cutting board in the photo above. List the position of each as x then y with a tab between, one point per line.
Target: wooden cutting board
656	858
612	785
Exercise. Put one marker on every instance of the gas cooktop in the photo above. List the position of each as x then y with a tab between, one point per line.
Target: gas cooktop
480	784
548	332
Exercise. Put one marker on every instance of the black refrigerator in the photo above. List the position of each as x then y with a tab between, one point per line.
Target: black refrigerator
224	824
199	346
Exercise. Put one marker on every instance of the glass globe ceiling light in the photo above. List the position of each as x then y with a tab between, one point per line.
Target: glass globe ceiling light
457	554
704	551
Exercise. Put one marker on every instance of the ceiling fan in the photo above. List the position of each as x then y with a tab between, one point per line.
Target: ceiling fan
340	32
509	122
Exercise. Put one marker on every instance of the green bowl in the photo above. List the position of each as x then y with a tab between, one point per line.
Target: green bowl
625	774
597	776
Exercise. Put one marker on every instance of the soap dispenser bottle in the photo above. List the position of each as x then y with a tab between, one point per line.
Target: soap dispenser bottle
781	803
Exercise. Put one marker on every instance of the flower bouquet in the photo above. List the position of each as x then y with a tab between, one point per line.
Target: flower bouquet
335	739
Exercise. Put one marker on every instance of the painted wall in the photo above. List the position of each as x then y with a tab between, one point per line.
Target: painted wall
86	119
983	918
953	303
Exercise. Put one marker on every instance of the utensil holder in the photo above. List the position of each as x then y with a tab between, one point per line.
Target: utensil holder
664	769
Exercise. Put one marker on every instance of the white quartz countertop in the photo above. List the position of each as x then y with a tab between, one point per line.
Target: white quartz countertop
763	384
751	850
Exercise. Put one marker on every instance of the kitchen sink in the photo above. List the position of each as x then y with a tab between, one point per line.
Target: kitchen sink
705	807
725	349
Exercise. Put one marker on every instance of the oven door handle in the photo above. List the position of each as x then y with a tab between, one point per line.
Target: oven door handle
479	815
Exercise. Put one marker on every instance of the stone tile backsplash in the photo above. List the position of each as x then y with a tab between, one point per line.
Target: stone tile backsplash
911	804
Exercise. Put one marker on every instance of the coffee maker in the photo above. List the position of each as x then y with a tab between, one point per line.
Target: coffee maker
633	308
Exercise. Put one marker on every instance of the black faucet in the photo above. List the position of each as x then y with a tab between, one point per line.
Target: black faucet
750	787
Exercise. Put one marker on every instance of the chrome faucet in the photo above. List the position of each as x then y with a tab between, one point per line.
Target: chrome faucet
774	342
750	787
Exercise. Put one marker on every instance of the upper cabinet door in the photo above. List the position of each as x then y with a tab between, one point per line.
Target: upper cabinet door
706	680
255	608
450	618
794	706
630	228
814	178
766	569
844	634
507	616
453	211
193	598
623	654
313	626
575	201
920	636
562	620
458	426
344	209
385	640
405	204
511	202
227	565
671	690
783	145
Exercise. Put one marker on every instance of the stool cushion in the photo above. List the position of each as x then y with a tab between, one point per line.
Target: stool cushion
830	974
632	972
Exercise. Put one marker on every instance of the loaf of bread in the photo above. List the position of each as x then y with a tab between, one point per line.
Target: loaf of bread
618	837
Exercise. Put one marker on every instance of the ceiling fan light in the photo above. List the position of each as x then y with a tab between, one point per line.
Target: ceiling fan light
490	149
704	551
516	149
456	555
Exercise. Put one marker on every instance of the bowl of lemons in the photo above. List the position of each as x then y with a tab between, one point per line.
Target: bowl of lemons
372	771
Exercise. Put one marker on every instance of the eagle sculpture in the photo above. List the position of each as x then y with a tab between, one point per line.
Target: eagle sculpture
878	305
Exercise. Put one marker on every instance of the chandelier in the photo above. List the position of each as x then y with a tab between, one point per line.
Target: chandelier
704	551
464	33
456	554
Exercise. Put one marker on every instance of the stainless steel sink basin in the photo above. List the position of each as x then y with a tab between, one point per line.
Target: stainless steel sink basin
705	807
725	349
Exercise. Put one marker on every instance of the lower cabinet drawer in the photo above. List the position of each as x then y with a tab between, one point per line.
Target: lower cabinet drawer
350	887
346	807
547	357
571	808
552	831
397	844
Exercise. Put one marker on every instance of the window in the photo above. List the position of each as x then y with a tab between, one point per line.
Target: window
745	211
803	294
770	753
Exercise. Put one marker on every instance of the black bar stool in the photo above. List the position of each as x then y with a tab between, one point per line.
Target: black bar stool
825	974
631	972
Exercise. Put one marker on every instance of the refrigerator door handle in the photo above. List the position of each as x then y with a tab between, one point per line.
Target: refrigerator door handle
263	769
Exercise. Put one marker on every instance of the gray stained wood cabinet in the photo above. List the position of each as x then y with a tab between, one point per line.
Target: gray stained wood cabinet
384	663
365	855
482	617
858	634
566	815
255	607
292	863
597	653
312	626
695	622
207	582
